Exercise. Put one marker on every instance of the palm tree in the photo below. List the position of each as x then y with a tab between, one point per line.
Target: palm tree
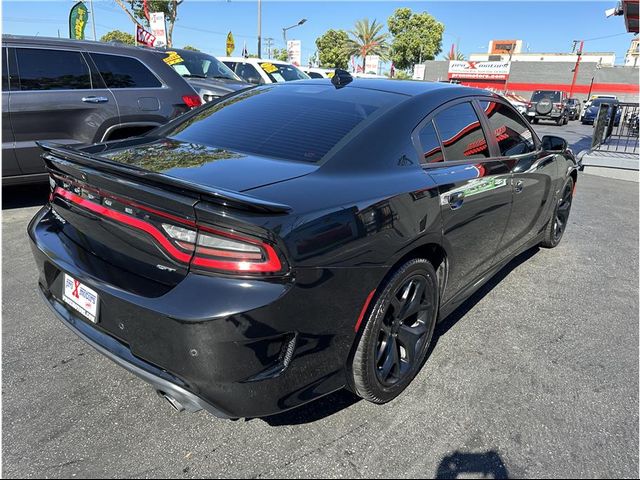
456	56
366	39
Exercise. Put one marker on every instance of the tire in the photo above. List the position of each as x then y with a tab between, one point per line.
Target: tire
559	121
535	120
394	345
557	224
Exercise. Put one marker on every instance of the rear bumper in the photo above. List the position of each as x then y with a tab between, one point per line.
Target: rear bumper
234	347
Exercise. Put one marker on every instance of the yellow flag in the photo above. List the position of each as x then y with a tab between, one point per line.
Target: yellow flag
231	45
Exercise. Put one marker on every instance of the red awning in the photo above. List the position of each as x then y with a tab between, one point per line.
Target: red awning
630	9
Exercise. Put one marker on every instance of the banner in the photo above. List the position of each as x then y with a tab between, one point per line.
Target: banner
372	64
158	29
418	71
231	44
294	52
77	21
143	37
479	70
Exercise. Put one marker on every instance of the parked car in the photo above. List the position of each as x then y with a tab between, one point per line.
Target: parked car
591	113
587	103
293	239
520	103
316	72
207	75
548	105
259	71
77	92
574	108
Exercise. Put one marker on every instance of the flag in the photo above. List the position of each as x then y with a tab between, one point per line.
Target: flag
77	21
143	37
245	53
145	9
231	44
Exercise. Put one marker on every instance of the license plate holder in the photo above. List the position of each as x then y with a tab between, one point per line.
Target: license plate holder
81	298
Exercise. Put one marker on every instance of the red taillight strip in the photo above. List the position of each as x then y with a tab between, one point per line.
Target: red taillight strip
364	309
127	220
272	264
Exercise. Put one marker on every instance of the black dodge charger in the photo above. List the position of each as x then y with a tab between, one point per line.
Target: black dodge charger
294	239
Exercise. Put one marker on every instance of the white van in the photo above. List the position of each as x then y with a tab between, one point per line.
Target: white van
259	71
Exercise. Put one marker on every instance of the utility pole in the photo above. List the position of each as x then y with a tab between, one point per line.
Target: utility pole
269	42
93	20
577	67
259	28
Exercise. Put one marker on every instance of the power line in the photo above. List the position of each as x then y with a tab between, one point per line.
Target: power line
606	36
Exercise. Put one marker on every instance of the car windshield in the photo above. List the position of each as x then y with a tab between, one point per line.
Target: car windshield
198	65
599	101
279	72
300	122
554	96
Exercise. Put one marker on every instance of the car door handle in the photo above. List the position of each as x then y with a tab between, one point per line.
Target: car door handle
456	200
94	99
519	185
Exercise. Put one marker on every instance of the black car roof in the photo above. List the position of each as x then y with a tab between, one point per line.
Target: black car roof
67	42
402	87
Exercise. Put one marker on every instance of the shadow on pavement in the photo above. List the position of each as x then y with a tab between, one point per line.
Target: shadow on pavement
472	465
20	196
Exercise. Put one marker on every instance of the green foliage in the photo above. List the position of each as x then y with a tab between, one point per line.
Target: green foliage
280	54
402	75
118	36
332	49
189	47
416	36
366	39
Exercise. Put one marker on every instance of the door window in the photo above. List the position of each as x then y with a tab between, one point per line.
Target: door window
431	150
124	72
513	136
248	72
41	69
461	133
5	71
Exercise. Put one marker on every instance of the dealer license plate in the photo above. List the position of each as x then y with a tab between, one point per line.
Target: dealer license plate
81	298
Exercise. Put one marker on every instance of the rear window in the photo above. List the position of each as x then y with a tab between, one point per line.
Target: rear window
124	72
554	96
293	122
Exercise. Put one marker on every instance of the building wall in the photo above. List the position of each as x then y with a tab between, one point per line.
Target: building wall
525	77
604	58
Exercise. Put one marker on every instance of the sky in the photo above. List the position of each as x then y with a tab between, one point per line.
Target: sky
544	26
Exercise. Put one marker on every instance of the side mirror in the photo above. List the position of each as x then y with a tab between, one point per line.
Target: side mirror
551	143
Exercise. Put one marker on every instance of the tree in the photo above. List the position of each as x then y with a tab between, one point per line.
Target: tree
118	36
366	39
416	37
136	12
332	49
189	47
280	54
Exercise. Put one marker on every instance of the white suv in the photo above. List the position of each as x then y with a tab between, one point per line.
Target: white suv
259	70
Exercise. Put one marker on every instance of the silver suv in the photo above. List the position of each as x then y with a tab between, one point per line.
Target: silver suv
76	92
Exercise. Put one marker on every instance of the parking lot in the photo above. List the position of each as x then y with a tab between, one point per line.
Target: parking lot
536	375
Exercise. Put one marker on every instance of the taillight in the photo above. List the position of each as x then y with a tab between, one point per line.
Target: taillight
224	251
192	101
186	242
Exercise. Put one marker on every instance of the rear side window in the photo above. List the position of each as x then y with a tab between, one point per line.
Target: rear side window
41	69
461	133
315	75
124	72
511	133
247	71
432	152
296	122
5	71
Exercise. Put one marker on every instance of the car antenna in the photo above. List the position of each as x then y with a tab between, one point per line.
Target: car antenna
341	78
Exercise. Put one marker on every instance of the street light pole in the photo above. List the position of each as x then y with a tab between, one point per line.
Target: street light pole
284	34
259	28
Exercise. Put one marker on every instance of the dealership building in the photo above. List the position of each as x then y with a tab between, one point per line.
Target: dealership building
505	65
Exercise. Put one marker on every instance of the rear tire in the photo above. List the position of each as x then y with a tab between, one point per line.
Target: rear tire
535	120
560	217
397	333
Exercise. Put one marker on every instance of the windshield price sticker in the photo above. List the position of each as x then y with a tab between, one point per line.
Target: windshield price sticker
173	58
269	67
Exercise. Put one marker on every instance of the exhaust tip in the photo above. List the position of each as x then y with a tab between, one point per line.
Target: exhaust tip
175	404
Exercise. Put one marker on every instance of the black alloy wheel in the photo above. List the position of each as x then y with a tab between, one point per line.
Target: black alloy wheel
558	222
397	334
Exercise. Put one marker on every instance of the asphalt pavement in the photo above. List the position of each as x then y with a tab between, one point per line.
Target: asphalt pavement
535	376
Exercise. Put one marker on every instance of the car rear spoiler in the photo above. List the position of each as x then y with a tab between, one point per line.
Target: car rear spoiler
214	194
